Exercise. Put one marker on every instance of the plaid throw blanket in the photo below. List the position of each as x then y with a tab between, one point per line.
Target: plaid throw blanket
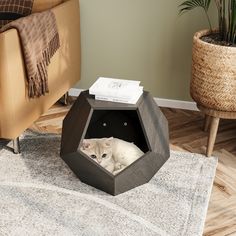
40	40
13	9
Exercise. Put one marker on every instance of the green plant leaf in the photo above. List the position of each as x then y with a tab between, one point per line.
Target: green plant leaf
191	4
226	16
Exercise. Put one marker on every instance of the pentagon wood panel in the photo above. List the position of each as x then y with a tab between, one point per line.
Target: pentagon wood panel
74	125
142	124
90	172
155	125
140	172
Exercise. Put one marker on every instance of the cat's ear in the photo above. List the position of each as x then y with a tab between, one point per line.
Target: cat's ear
108	141
85	144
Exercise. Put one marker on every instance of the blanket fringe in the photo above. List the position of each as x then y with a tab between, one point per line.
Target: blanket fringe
38	84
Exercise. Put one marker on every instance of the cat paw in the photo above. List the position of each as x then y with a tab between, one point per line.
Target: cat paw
118	166
116	172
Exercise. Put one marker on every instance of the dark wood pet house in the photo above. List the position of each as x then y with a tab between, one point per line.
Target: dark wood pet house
143	124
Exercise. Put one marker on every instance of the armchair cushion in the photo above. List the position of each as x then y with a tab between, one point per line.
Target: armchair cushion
11	10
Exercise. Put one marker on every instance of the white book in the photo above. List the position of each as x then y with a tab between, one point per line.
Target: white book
116	88
132	100
135	93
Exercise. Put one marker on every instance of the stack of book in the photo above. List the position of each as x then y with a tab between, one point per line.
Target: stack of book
116	90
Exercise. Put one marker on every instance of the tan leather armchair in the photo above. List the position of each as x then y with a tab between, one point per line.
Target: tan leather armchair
17	111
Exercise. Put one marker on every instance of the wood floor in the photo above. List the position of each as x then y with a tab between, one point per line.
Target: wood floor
186	135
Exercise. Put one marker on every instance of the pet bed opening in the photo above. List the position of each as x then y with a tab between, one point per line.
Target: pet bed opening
122	124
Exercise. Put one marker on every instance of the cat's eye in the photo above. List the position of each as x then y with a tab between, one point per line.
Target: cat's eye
104	155
93	156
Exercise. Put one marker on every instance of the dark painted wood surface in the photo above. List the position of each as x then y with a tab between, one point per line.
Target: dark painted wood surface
139	172
74	125
142	123
155	125
89	172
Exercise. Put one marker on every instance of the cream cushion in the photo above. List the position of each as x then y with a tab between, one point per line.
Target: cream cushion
42	5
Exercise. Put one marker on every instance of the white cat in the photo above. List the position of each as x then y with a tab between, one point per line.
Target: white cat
111	153
100	150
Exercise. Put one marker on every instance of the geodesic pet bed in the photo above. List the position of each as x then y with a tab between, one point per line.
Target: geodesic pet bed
142	123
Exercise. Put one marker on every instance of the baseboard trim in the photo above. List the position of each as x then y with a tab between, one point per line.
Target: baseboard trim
162	102
74	92
170	103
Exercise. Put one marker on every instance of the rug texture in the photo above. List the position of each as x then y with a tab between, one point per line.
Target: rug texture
39	195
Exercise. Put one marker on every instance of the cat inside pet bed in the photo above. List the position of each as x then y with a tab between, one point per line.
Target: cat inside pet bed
113	154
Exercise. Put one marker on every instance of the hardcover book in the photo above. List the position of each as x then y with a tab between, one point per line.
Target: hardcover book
132	100
109	88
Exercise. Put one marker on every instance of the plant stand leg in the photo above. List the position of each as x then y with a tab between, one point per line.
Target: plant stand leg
16	145
207	123
212	135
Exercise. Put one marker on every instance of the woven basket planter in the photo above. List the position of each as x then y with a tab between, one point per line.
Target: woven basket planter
213	83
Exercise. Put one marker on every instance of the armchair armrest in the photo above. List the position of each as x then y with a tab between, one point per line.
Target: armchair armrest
17	111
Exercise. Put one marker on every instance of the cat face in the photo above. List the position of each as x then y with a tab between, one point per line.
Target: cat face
98	149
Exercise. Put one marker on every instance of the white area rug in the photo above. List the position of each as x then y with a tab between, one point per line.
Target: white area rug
39	195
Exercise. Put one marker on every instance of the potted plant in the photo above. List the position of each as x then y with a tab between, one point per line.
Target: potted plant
213	83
